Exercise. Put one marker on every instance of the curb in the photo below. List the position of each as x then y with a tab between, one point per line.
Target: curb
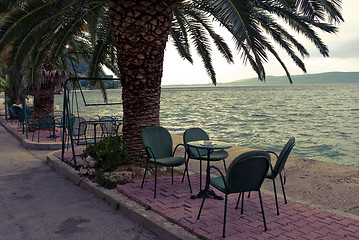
152	221
26	143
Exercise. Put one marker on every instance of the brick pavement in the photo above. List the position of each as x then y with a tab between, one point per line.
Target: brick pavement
44	134
296	221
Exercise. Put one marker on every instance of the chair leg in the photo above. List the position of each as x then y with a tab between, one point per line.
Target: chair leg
239	197
189	181
144	175
242	203
224	164
264	219
275	195
281	181
186	169
155	181
172	174
225	217
200	174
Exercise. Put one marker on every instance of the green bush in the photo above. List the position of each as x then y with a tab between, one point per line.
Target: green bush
109	153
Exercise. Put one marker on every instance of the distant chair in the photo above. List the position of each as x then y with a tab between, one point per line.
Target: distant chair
158	145
24	118
15	112
78	130
44	122
108	126
246	173
197	134
273	172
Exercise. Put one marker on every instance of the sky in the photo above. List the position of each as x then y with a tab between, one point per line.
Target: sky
343	56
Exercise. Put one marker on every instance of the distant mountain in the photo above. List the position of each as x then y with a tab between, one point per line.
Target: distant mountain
318	78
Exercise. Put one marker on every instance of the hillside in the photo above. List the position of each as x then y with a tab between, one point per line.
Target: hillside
318	78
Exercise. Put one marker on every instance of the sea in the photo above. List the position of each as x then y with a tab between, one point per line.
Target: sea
324	119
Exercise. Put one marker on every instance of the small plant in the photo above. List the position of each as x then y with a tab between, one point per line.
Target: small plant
110	153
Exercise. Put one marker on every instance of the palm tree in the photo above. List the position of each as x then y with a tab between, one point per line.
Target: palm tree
40	52
141	30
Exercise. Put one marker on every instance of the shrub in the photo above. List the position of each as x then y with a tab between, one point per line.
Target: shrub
109	153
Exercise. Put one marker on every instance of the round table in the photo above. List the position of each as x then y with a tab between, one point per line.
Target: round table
209	146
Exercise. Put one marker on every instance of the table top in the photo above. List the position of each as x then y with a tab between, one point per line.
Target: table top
209	144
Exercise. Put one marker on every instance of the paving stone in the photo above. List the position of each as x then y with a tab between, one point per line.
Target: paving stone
296	221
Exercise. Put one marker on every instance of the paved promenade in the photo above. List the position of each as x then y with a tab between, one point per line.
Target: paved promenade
39	203
296	221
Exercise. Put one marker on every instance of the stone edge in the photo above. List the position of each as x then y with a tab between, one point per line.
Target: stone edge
152	221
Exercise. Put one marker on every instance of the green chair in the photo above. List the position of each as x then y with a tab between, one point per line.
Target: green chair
158	145
44	122
108	126
78	126
24	118
246	173
197	134
279	167
14	112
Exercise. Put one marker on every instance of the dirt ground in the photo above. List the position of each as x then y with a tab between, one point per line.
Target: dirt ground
320	184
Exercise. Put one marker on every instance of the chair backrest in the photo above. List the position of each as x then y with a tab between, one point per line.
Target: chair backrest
195	134
46	121
247	171
108	126
15	112
283	156
79	126
159	140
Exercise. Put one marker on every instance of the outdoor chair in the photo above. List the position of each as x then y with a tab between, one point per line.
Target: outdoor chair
273	172
78	130
197	134
14	112
158	145
59	122
108	126
24	118
44	122
246	173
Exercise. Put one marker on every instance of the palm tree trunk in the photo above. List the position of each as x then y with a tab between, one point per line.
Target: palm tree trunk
50	82
141	30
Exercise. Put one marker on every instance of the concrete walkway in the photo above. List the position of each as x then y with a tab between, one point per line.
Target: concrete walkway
39	203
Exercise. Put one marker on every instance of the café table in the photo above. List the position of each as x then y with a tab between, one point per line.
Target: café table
209	146
95	123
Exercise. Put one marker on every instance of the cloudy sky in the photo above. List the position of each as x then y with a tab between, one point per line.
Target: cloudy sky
343	47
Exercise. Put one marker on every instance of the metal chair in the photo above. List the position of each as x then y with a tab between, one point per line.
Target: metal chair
44	122
108	126
14	112
196	134
273	172
246	173
158	145
78	128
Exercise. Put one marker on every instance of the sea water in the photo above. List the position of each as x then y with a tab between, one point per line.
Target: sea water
324	119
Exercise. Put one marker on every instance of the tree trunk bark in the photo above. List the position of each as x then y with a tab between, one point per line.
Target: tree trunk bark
50	80
141	30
